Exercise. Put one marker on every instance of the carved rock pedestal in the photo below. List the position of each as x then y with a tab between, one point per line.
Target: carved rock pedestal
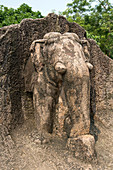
82	146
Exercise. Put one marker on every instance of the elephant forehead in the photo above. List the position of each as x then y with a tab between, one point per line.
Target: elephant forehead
71	47
65	46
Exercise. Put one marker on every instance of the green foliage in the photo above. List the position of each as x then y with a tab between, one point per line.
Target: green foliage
10	16
97	18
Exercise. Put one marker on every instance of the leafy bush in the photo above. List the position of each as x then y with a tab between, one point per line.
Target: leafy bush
10	16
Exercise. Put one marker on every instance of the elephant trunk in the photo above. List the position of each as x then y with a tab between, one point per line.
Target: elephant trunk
60	67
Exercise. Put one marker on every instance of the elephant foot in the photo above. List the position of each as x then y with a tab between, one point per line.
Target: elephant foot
83	147
40	138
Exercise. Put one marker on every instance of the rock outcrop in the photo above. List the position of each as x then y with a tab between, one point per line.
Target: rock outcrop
16	97
15	44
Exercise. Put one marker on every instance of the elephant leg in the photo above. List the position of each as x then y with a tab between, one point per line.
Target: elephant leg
80	141
78	99
82	121
44	107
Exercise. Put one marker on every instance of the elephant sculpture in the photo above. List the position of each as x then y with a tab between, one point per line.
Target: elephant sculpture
61	62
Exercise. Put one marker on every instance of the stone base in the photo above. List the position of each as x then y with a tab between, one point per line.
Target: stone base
83	147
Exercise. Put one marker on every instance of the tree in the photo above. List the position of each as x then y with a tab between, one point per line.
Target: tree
96	18
10	16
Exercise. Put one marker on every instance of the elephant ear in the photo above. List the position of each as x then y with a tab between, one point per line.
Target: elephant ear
34	64
36	50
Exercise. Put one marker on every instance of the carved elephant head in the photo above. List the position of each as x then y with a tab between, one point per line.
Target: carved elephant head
42	50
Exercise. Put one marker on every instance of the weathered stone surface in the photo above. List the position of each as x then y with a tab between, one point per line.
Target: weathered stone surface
102	105
16	103
83	147
26	154
60	65
15	43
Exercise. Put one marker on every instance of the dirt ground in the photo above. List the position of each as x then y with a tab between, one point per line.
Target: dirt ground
20	151
23	153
